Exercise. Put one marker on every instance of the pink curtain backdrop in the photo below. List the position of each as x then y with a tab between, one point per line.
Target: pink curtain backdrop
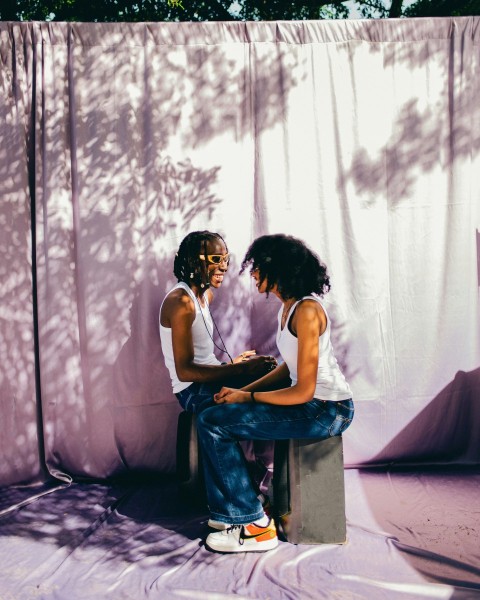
360	137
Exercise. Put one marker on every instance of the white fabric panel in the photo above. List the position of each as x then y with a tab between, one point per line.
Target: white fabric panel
19	443
360	137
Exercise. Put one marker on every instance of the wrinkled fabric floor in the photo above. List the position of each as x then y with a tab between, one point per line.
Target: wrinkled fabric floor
411	534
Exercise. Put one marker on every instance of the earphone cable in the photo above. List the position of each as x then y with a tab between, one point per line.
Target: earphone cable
224	349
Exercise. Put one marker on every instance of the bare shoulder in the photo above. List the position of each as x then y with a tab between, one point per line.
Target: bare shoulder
176	303
310	307
179	300
311	311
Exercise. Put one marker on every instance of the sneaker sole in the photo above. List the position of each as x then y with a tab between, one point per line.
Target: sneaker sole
246	547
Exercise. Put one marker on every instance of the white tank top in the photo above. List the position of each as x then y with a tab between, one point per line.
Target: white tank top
331	383
202	341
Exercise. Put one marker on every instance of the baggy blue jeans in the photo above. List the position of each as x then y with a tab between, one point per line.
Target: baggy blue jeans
231	494
196	398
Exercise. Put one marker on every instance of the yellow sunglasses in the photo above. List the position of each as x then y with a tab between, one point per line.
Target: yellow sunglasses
216	259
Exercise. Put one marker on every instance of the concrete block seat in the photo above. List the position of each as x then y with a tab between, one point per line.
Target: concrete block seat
309	490
308	484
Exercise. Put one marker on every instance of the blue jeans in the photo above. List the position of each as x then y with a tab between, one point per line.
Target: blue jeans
231	494
198	396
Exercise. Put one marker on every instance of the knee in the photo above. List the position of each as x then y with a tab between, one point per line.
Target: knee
200	419
207	419
214	420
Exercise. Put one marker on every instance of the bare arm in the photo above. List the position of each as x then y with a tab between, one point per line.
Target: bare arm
276	379
178	313
309	323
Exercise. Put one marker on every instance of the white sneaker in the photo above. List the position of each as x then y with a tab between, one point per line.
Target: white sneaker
218	525
244	538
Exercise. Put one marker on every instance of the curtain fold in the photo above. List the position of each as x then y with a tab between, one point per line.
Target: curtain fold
19	420
360	137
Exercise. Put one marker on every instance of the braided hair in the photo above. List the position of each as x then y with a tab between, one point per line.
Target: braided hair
187	265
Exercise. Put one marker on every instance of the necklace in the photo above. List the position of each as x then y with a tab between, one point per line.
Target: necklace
286	309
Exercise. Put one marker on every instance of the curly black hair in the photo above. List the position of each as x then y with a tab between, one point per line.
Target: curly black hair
187	265
288	263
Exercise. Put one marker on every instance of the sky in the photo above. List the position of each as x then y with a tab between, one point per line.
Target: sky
354	14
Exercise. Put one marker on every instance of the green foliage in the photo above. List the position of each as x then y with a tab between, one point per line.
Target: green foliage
171	10
418	8
226	10
443	8
373	9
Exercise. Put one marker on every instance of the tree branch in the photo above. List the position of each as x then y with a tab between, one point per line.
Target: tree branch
395	9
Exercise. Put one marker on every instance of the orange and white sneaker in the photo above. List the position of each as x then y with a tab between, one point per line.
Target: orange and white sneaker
244	538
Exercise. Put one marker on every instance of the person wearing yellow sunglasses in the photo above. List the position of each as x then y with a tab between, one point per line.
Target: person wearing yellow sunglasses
187	326
186	335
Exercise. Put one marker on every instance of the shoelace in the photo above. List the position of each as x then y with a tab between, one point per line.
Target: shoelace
232	528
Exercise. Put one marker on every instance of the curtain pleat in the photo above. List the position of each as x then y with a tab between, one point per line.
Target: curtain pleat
360	137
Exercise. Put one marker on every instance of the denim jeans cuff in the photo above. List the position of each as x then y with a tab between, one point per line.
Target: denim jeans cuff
237	520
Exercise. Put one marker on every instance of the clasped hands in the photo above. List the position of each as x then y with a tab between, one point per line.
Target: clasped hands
263	364
256	365
231	396
244	356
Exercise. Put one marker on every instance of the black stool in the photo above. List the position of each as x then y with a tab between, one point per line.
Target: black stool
309	490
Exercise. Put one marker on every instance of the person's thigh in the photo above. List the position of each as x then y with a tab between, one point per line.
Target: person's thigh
312	419
197	397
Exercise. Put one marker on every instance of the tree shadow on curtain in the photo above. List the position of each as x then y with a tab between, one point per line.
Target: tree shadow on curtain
431	131
19	447
108	255
144	407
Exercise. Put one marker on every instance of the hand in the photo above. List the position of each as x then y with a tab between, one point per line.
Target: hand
231	396
260	365
244	356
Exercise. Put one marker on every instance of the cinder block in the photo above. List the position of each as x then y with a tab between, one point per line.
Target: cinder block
189	470
309	490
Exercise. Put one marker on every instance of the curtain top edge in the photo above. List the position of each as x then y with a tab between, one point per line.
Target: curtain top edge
230	32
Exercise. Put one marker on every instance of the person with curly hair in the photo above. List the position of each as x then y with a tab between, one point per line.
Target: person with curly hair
186	326
318	403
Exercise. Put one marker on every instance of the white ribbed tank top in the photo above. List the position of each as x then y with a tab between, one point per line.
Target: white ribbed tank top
202	341
331	383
